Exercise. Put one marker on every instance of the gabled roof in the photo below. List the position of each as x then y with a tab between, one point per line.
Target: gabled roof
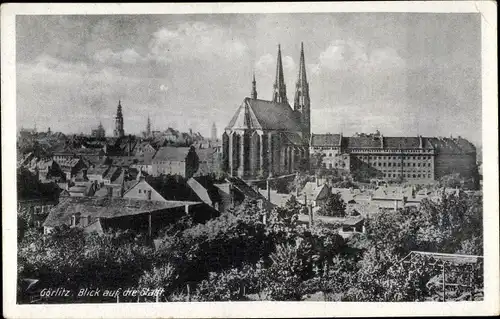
106	208
362	142
332	140
452	145
172	188
312	190
98	170
112	172
265	115
244	188
204	187
169	153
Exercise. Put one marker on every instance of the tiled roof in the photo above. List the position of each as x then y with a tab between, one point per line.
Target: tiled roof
312	190
452	145
112	172
361	142
97	170
106	208
244	188
325	140
205	154
266	115
169	153
69	162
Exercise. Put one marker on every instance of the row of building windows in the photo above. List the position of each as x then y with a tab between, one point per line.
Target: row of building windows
408	175
417	157
387	151
404	164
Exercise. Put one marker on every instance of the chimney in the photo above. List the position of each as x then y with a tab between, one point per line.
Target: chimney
311	220
420	142
186	209
268	191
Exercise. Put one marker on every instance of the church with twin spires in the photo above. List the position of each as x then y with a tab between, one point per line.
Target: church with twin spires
267	138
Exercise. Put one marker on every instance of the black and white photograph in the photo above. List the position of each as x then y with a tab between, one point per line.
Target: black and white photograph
326	157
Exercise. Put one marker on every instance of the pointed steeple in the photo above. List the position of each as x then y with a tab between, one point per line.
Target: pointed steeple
302	102
279	88
254	88
148	127
302	66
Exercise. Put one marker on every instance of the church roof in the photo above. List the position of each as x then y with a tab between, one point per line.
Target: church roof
265	115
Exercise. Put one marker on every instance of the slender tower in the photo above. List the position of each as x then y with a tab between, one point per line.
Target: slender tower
279	88
214	132
148	127
119	132
302	101
253	95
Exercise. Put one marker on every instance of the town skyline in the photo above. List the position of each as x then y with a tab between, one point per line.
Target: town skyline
413	81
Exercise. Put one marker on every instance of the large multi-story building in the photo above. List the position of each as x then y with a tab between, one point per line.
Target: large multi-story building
418	159
266	138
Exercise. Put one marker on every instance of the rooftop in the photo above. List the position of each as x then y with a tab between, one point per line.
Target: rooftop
106	208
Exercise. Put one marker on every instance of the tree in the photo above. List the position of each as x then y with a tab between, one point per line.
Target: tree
160	277
334	206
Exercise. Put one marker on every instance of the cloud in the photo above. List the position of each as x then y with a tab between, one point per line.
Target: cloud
267	63
353	55
194	40
128	56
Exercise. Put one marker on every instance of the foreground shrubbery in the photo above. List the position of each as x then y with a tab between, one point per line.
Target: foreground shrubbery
236	255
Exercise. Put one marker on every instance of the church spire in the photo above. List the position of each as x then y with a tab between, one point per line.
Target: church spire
148	127
302	102
302	66
254	88
119	132
279	88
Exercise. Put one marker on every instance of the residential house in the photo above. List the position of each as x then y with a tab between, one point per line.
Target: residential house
97	173
71	167
235	190
314	194
181	161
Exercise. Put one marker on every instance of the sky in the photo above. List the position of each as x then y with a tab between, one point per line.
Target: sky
401	73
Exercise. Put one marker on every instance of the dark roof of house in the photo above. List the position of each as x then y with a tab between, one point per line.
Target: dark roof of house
170	153
354	221
172	188
106	208
452	145
97	170
265	115
205	154
361	142
112	172
325	140
244	188
204	187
